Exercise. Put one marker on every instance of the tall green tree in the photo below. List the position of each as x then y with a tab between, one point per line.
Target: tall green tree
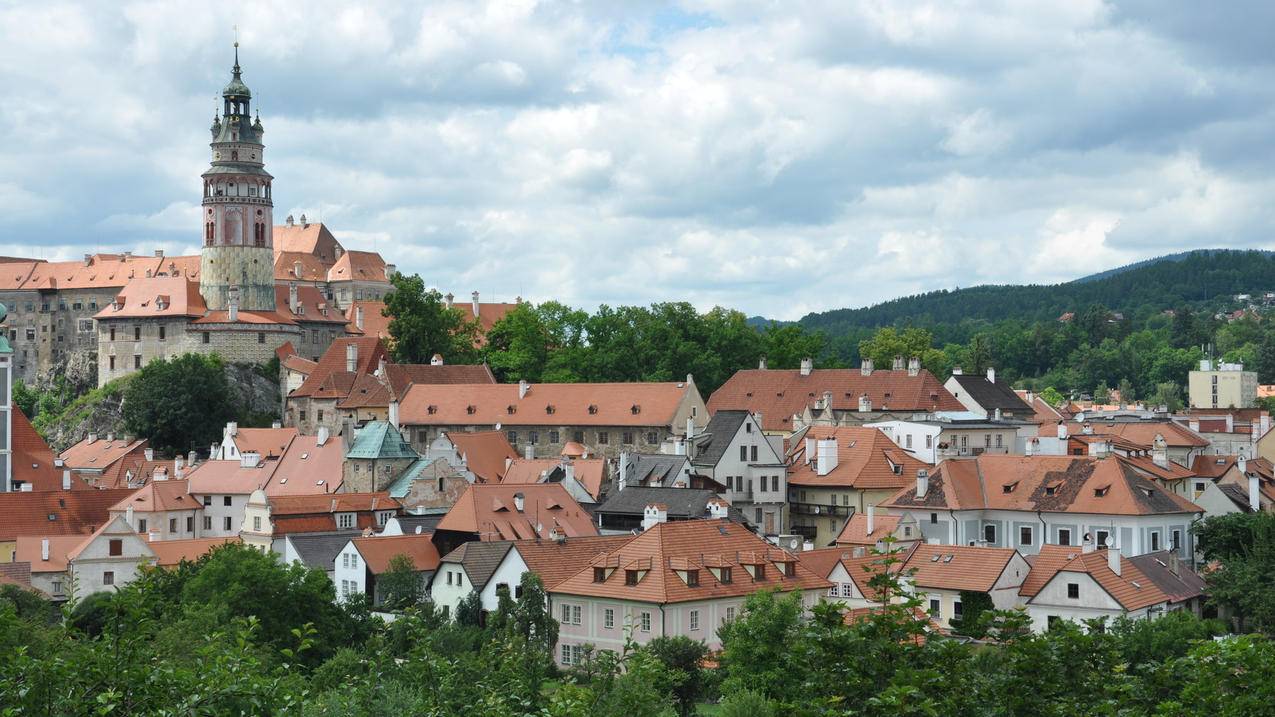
682	657
180	404
401	583
421	324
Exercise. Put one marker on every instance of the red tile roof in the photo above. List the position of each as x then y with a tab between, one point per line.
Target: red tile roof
332	365
229	477
95	453
958	567
310	238
484	452
491	511
1042	413
266	442
170	553
100	271
160	495
861	568
32	458
855	531
156	297
30	549
312	306
1144	432
554	404
588	471
358	266
1131	588
403	375
378	551
317	513
308	469
658	555
375	322
866	459
778	394
56	512
556	560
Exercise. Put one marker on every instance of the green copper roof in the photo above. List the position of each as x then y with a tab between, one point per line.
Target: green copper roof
403	484
236	87
379	440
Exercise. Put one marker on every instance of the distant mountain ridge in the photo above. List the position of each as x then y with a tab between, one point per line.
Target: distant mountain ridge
1192	278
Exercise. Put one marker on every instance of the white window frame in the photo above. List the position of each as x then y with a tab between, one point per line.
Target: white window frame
694	620
346	520
646	621
608	618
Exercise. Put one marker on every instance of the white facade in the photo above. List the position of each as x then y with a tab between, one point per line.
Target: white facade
452	584
350	573
919	439
755	476
113	557
222	516
1053	603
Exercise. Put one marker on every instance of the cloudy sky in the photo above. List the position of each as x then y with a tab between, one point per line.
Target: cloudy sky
777	157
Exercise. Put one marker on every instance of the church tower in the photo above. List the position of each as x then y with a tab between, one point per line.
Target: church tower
237	262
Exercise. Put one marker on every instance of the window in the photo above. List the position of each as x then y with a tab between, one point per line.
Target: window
108	577
934	606
533	437
575	614
1064	536
1199	487
752	453
577	436
599	575
566	614
646	622
31	333
934	518
1102	538
112	363
566	654
730	613
774	483
345	560
207	337
1177	540
1052	621
115	547
137	333
759	573
694	619
345	520
989	533
225	500
1025	535
513	437
759	517
743	453
554	437
137	361
449	577
929	441
383	516
1073	591
163	333
603	438
726	576
999	439
608	618
354	560
261	337
1155	540
652	438
207	522
57	587
956	608
172	525
207	500
630	577
190	524
907	441
256	523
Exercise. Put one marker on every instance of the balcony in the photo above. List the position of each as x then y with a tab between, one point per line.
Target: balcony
807	532
820	509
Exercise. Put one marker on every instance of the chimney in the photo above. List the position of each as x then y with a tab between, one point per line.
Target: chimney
996	415
290	221
358	317
293	303
448	298
232	429
190	459
394	414
92	439
149	453
1160	451
520	502
1113	556
717	508
623	470
653	515
827	459
390	271
872	522
351	357
474	297
159	253
865	368
110	437
179	468
1254	489
914	366
44	549
436	360
88	259
322	436
690	427
922	482
761	363
232	303
1030	448
1087	428
865	403
1087	544
568	467
810	450
304	223
1194	424
249	459
66	479
523	388
898	364
991	375
128	515
807	365
1062	430
529	452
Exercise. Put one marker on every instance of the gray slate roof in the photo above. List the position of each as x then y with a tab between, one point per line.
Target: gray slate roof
683	503
319	550
409	523
479	559
652	466
992	396
717	436
1186	584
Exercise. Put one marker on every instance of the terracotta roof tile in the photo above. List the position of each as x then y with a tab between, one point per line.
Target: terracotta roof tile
169	553
778	394
155	297
1144	432
308	469
855	531
30	550
96	453
378	551
491	512
557	404
358	266
160	495
78	512
32	459
370	351
310	238
866	459
588	471
555	561
958	567
484	452
1131	588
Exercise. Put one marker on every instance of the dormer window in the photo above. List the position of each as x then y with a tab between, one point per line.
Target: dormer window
510	409
1009	487
692	578
470	409
431	410
630	577
1100	492
725	576
599	575
593	409
759	573
549	409
636	409
787	569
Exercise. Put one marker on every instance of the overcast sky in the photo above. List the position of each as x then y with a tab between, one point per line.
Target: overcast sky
776	157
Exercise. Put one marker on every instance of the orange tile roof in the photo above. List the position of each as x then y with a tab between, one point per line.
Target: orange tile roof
968	568
303	366
312	306
308	468
861	568
554	561
170	553
1131	588
1144	432
358	266
156	297
312	268
375	322
403	375
1042	413
292	514
74	512
491	511
553	404
135	469
855	531
378	551
778	394
106	271
1050	484
484	452
366	391
32	459
310	238
266	442
1170	472
160	495
97	453
228	477
694	545
588	471
370	351
1209	466
30	549
15	273
258	318
866	459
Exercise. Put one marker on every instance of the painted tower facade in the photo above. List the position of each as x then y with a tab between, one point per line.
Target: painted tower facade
237	261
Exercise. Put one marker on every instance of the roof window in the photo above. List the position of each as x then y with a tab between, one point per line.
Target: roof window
593	409
1102	491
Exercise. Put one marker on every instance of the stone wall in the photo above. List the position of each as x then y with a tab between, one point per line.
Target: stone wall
250	268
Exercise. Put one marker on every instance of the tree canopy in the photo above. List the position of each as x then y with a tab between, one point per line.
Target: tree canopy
179	403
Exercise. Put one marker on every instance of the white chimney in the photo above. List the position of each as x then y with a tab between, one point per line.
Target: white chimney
448	298
807	365
991	375
380	367
232	303
529	452
149	453
474	296
914	366
322	436
690	427
761	363
996	414
865	403
653	515
1254	493
276	424
92	439
810	450
1087	428
1160	451
358	318
128	516
1113	556
296	269
872	518
1194	424
44	549
523	387
179	468
394	414
351	357
717	508
898	364
1087	544
922	482
1029	450
520	502
304	223
293	302
190	459
956	371
1062	430
249	459
865	368
827	459
436	360
290	221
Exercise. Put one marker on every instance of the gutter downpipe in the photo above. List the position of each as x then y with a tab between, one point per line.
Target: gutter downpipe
1044	529
956	527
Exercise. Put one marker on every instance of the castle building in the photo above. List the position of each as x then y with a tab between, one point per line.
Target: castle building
243	297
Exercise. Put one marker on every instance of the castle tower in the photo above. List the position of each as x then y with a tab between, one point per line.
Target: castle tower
237	209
